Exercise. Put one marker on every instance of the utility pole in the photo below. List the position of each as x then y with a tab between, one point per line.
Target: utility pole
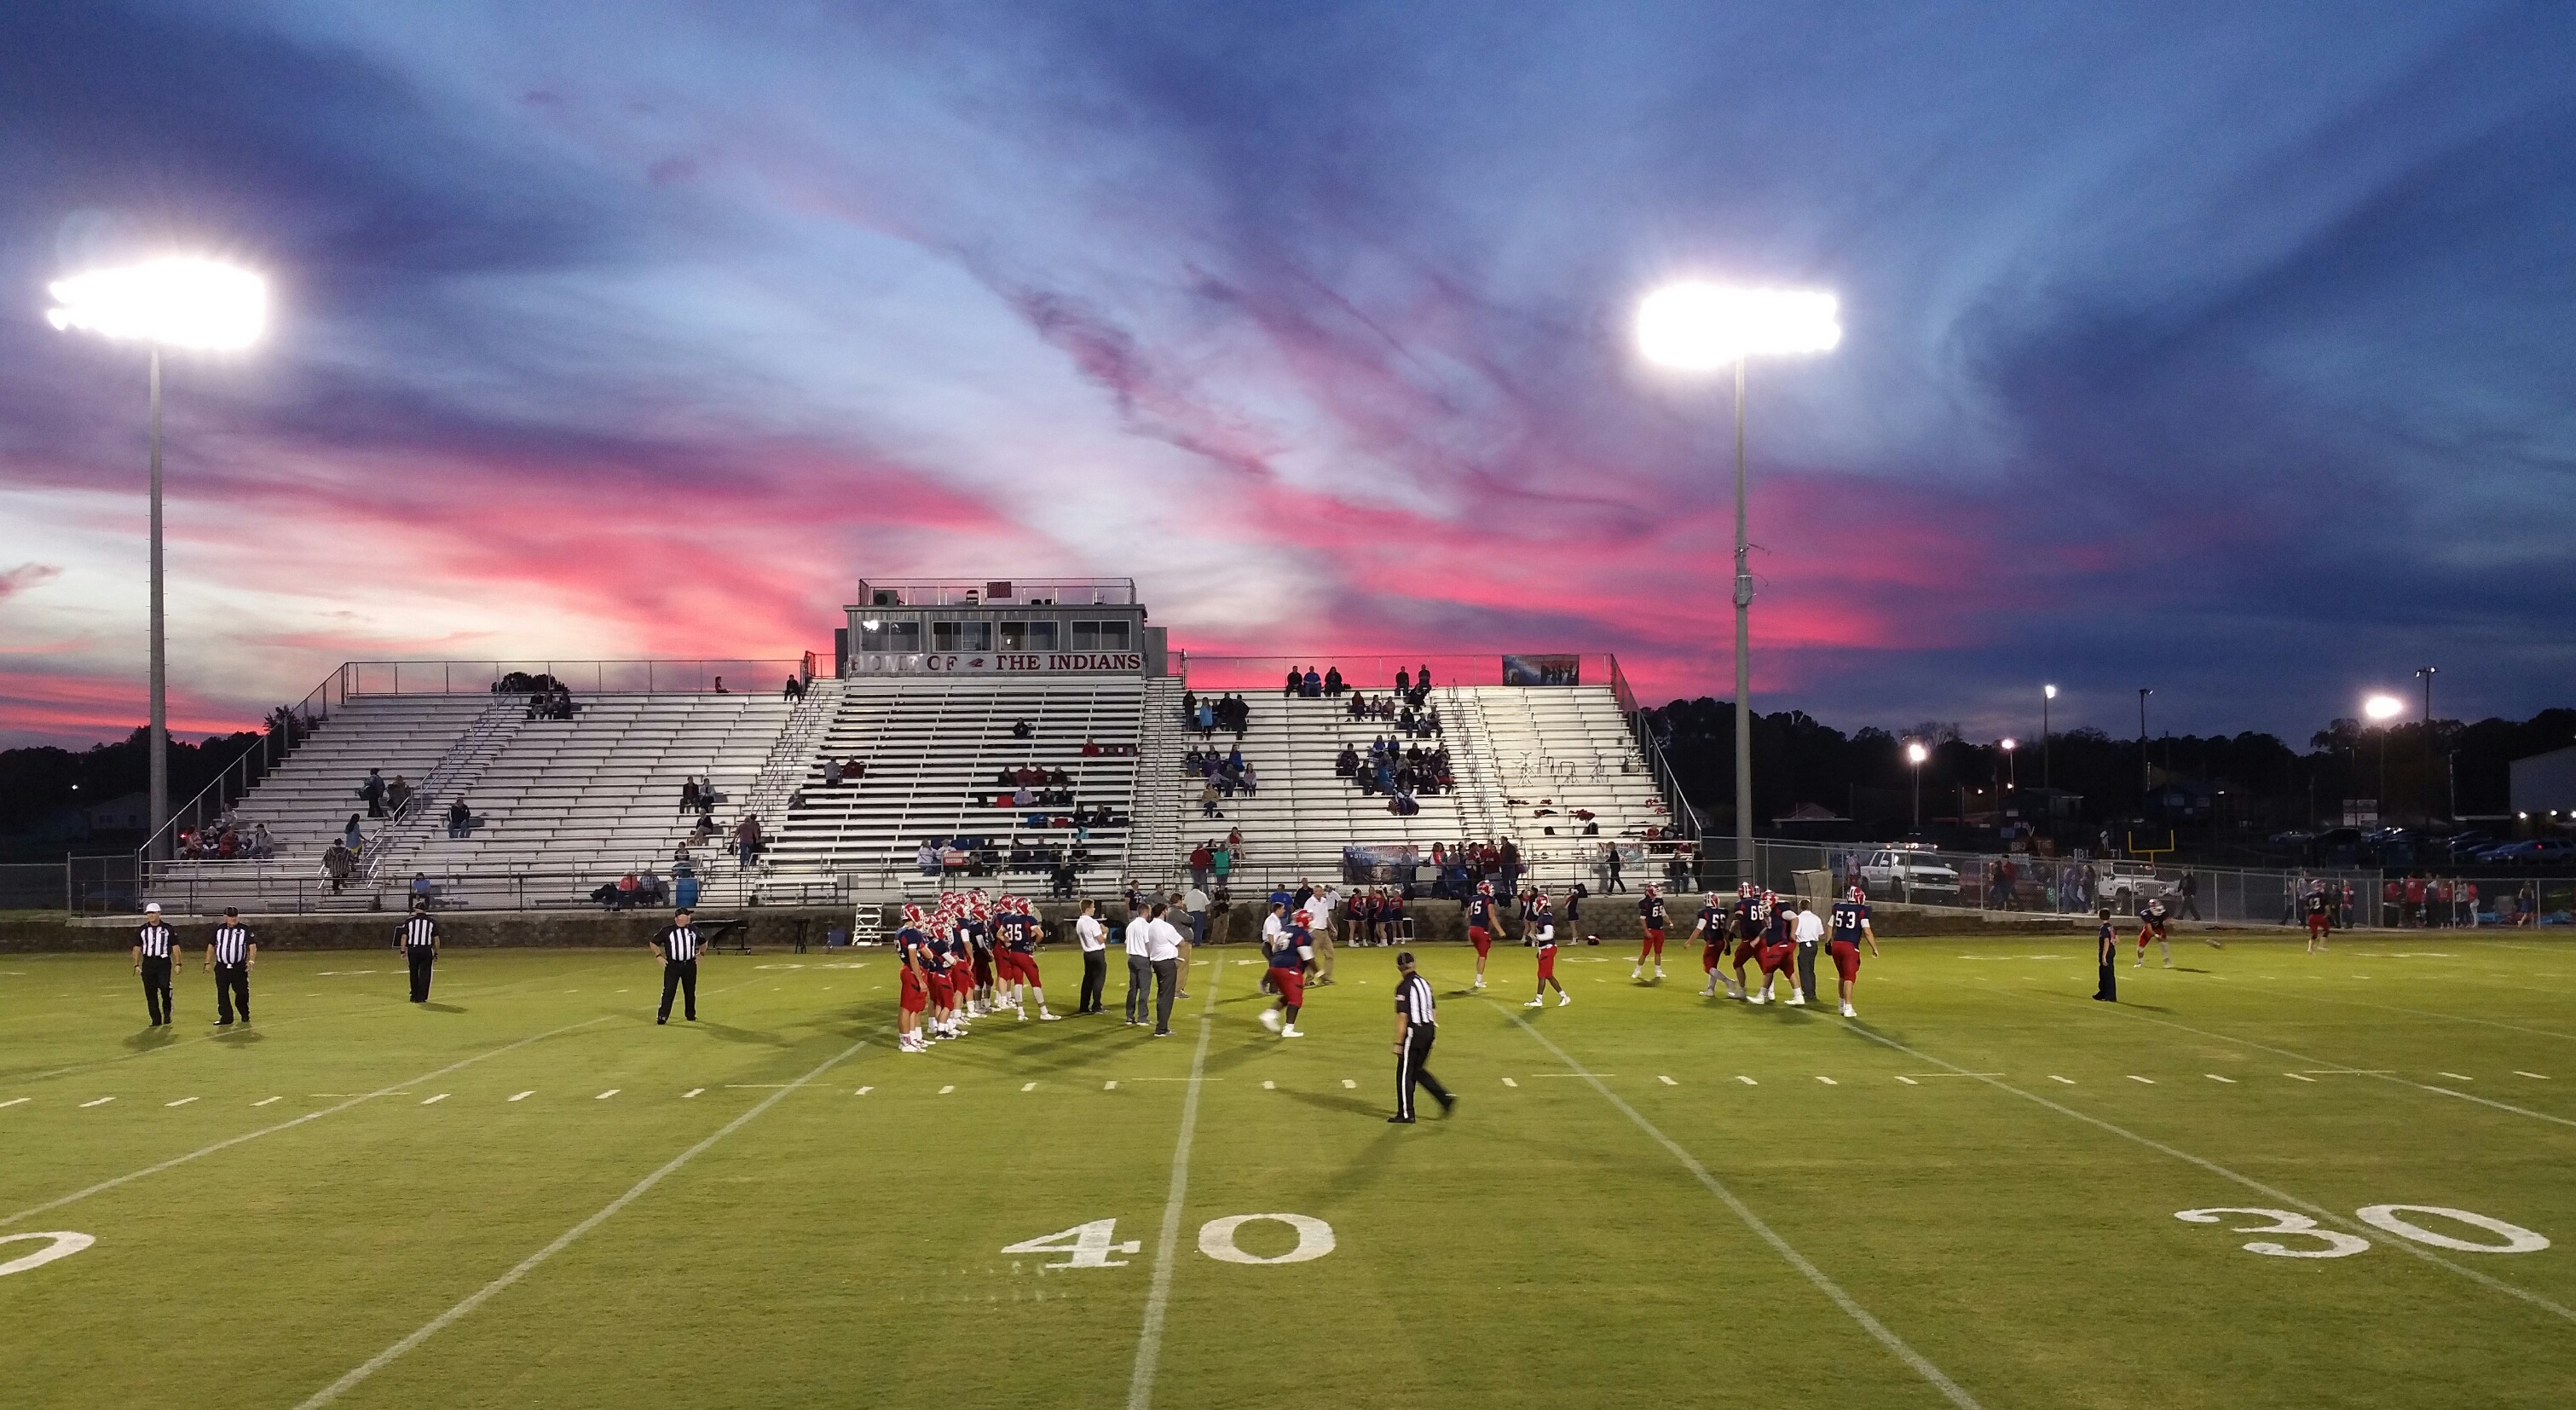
2146	782
2425	674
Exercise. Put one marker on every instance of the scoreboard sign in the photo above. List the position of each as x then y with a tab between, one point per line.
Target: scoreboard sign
972	662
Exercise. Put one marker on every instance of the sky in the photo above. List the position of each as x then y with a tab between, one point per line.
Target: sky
2213	348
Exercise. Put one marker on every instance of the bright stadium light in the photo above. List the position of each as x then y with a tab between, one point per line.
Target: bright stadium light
1915	754
2383	707
1694	326
178	302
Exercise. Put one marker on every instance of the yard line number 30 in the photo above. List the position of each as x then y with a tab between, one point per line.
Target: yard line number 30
1090	1245
2332	1243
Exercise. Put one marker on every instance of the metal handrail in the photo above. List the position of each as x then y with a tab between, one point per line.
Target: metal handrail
753	675
307	715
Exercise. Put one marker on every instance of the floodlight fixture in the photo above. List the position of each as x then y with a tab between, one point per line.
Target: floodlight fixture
1694	326
181	302
1915	753
2010	745
2383	707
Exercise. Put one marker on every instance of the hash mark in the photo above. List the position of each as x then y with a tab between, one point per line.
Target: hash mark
2518	1072
1506	1082
2069	1081
1827	1080
863	1091
1269	1086
1747	1081
2136	1078
1349	1083
2297	1078
944	1091
1028	1086
100	1102
1109	1086
613	1091
523	1096
2214	1077
262	1102
1666	1080
431	1101
1908	1081
2456	1077
183	1101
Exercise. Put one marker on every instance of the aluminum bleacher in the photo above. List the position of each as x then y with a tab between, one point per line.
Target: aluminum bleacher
934	750
309	796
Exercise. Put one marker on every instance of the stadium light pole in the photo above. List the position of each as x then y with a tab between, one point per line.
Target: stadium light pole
1915	754
2047	693
1698	327
2381	709
2146	780
175	303
2012	771
2425	674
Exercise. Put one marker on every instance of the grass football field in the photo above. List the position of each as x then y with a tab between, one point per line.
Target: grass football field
529	1195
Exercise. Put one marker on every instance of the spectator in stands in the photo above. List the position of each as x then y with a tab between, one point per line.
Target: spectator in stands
338	864
630	890
689	795
1022	729
1238	715
795	689
1347	763
1251	781
373	791
1205	722
351	837
1296	680
1090	747
1422	678
1314	684
262	846
720	687
460	820
1207	799
1058	778
1333	681
398	795
831	773
746	838
1610	868
1221	865
1189	706
1201	858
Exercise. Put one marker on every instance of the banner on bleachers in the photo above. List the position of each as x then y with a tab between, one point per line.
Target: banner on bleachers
1041	662
1380	864
1542	670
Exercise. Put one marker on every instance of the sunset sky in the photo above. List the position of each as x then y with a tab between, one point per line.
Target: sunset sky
2223	349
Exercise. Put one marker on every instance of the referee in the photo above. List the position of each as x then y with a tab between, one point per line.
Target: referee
152	961
418	940
677	949
1415	1027
230	955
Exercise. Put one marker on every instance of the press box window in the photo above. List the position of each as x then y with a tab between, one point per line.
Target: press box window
1028	636
961	636
1100	636
889	636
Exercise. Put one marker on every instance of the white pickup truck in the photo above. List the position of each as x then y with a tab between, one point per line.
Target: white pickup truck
2125	886
1898	874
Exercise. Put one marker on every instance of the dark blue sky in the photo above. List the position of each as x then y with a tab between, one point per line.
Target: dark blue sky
2223	349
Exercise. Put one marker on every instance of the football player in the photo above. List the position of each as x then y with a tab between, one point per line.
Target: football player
1480	929
1292	948
1650	919
1713	929
1845	932
1539	929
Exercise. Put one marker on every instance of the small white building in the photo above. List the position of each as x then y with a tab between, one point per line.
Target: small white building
2545	783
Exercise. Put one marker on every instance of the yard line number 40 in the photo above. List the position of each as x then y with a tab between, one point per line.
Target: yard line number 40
2331	1243
1090	1245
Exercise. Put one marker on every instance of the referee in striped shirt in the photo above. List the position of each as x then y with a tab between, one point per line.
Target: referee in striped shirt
152	961
677	948
1416	1025
418	940
230	955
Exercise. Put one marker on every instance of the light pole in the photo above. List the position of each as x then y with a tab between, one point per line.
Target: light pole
2425	674
178	303
2047	693
1915	754
1700	327
2012	773
2146	780
2381	709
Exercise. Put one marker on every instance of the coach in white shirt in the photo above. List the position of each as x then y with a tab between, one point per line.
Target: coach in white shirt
1094	939
1140	971
1319	923
1163	952
1811	931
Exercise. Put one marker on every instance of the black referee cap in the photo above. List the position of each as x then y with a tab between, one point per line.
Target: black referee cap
1404	959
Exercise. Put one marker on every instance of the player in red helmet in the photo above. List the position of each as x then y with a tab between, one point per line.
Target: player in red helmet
1539	928
1849	927
1712	928
1651	918
911	951
1779	950
1480	928
1752	918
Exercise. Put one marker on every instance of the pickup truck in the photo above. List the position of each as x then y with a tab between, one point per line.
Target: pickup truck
1897	874
2129	885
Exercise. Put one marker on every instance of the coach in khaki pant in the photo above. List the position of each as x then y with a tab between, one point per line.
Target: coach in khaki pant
1319	923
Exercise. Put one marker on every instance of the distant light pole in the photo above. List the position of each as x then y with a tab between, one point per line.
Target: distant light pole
2012	774
179	303
2146	780
2047	693
1915	754
2425	674
1699	327
2381	709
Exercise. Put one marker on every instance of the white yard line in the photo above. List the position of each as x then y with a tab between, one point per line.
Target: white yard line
1158	1298
527	1265
1949	1389
2284	1197
228	1143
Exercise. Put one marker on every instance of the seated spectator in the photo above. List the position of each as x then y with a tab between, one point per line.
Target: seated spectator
1251	781
1208	799
1090	747
460	820
852	770
1006	778
421	889
1403	682
262	846
688	795
792	691
630	890
831	773
1022	730
1314	684
1296	681
1347	763
1333	681
1059	778
649	890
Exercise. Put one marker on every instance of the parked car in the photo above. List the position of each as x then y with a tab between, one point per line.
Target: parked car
2537	851
1903	874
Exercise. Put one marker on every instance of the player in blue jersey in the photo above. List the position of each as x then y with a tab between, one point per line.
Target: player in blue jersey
1845	932
911	948
1752	918
1539	929
1291	948
1015	959
1779	950
1652	917
1481	927
1715	928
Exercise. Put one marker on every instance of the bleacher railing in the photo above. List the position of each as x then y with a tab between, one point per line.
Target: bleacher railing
296	888
750	675
286	727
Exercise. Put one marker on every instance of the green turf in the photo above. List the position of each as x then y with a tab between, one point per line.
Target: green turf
1542	1248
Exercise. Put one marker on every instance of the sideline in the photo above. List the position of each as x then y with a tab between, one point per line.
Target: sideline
226	1144
442	1321
1950	1389
2284	1197
1158	1301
